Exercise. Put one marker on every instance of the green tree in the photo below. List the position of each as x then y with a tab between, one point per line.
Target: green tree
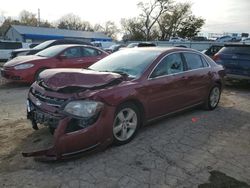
73	22
28	18
6	24
132	29
190	27
109	28
170	22
160	20
70	21
45	23
150	13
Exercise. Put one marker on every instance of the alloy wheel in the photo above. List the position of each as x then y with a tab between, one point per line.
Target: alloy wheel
214	97
125	124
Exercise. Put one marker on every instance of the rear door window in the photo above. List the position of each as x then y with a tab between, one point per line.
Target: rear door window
90	52
194	61
73	52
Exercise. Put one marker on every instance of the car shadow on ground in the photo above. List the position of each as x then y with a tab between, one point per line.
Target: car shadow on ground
220	180
237	85
6	84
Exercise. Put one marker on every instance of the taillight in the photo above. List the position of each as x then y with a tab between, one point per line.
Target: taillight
216	57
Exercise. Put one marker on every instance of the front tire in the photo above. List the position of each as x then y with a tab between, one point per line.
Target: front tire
126	123
213	98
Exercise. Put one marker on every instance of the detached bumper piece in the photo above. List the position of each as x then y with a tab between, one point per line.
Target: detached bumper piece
64	147
72	136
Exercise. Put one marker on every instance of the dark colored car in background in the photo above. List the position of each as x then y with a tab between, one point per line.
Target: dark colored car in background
114	48
44	45
236	60
212	50
199	38
27	68
141	44
109	102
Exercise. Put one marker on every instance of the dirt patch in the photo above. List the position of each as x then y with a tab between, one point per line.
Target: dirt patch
220	180
226	101
17	136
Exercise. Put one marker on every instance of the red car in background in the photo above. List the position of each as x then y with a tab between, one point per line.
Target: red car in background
27	68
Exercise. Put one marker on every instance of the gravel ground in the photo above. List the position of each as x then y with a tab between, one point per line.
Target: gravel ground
180	151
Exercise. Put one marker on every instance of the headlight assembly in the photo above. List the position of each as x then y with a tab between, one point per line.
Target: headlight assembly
23	66
83	108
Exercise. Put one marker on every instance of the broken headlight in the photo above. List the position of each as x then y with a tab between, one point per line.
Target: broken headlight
83	109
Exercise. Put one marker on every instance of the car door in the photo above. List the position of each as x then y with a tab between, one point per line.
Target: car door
166	86
72	58
198	76
90	56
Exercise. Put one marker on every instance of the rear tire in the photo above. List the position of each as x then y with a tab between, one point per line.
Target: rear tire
213	98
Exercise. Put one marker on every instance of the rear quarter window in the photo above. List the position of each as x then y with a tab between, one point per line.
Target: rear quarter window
90	52
194	61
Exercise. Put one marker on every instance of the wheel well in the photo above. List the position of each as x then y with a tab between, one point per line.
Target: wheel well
40	70
139	105
219	83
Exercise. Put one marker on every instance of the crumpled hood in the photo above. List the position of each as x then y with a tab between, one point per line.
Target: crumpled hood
22	59
57	79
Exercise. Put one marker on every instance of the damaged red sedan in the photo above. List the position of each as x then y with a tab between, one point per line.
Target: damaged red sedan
108	102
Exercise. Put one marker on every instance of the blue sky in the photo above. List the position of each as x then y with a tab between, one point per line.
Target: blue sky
220	15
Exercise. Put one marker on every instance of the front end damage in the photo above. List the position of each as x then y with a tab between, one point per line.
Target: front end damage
73	135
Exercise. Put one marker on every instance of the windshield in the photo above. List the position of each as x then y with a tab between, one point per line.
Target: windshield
130	62
51	51
43	45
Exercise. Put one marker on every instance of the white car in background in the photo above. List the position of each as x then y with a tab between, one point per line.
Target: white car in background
102	44
246	40
228	38
176	39
224	39
6	47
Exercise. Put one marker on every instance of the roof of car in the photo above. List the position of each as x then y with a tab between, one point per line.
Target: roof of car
237	45
160	49
64	46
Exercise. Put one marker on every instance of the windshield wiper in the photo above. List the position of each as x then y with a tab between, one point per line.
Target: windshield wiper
41	55
119	72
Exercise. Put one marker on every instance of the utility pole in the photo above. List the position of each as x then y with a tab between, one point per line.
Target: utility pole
38	23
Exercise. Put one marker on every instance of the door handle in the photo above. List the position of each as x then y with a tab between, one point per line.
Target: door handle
184	77
80	60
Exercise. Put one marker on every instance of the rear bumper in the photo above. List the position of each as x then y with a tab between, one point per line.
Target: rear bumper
237	77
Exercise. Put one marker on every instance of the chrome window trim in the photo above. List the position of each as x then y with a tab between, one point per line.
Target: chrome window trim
209	66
